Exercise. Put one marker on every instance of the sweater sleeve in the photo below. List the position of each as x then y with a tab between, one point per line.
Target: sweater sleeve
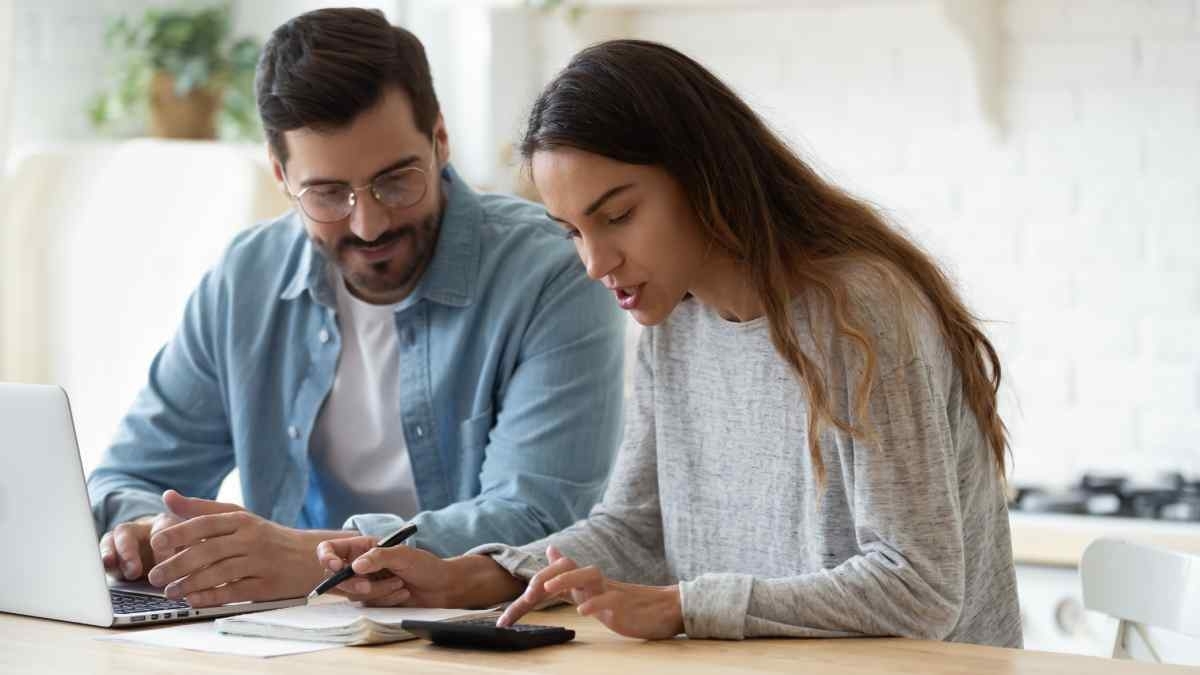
907	579
623	533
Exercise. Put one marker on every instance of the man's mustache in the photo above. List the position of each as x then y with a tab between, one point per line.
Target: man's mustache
382	240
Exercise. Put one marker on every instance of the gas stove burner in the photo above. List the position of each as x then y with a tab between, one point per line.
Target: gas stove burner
1092	483
1148	503
1104	504
1171	497
1041	501
1187	510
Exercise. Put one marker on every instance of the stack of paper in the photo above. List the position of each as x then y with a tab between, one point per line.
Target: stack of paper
203	637
342	622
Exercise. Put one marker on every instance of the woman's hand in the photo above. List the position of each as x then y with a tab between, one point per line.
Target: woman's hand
402	575
647	612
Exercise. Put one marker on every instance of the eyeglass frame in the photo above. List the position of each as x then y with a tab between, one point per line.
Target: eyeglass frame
355	189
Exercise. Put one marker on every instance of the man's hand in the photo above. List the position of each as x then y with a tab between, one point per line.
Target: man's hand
125	549
632	610
222	553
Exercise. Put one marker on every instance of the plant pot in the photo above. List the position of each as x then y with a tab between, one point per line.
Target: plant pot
191	116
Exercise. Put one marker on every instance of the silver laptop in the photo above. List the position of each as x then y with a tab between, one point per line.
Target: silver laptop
51	565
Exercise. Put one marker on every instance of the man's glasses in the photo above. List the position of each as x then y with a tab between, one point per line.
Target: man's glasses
332	202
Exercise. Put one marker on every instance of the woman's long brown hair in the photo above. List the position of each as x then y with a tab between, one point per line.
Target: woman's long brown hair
644	103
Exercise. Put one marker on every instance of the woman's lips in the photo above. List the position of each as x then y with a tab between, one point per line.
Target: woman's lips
628	297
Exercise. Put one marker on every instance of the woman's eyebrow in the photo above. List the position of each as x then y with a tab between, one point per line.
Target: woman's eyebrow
612	192
605	197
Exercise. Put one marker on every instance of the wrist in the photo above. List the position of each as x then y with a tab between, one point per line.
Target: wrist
482	582
675	608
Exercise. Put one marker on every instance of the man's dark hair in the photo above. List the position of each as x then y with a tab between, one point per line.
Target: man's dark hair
325	67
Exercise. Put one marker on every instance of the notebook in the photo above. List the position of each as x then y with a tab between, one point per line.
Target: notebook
347	623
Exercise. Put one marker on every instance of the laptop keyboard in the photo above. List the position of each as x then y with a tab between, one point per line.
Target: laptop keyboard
136	603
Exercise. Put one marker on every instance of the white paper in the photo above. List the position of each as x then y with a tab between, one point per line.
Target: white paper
342	614
202	636
342	622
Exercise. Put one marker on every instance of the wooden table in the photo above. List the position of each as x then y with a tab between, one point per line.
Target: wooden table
38	646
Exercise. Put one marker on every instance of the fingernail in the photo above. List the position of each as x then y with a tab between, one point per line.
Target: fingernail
157	543
334	564
362	587
130	570
172	591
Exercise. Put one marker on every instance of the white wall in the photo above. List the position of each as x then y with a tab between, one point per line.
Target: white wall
59	64
257	18
1077	230
1077	233
60	59
6	58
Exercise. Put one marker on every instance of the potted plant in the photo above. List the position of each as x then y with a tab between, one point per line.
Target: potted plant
178	72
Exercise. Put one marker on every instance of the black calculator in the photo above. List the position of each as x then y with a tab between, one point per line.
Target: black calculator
483	634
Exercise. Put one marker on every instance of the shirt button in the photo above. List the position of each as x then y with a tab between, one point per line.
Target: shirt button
420	432
293	432
323	336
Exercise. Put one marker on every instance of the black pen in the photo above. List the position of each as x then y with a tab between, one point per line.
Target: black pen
348	571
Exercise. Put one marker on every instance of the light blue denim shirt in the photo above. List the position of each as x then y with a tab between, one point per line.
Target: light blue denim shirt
510	385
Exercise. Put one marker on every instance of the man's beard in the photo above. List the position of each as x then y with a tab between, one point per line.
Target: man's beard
393	274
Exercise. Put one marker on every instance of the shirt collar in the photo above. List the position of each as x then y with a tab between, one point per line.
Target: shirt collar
450	277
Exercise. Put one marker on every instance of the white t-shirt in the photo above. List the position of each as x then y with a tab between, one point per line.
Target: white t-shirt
359	437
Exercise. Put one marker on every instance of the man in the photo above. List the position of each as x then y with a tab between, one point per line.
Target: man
396	348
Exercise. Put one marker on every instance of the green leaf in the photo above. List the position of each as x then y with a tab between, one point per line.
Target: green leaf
195	47
98	113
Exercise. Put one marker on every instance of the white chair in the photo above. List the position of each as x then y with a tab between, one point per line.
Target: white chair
1154	593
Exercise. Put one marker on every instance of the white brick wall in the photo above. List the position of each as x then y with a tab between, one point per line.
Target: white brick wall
1077	231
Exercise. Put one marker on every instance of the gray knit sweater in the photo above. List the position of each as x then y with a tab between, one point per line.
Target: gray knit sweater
714	489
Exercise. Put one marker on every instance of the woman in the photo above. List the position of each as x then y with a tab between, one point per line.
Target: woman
814	447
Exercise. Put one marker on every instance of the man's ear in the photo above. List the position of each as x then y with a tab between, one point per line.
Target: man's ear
277	170
443	141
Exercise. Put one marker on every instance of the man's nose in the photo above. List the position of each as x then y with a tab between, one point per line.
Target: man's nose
369	218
